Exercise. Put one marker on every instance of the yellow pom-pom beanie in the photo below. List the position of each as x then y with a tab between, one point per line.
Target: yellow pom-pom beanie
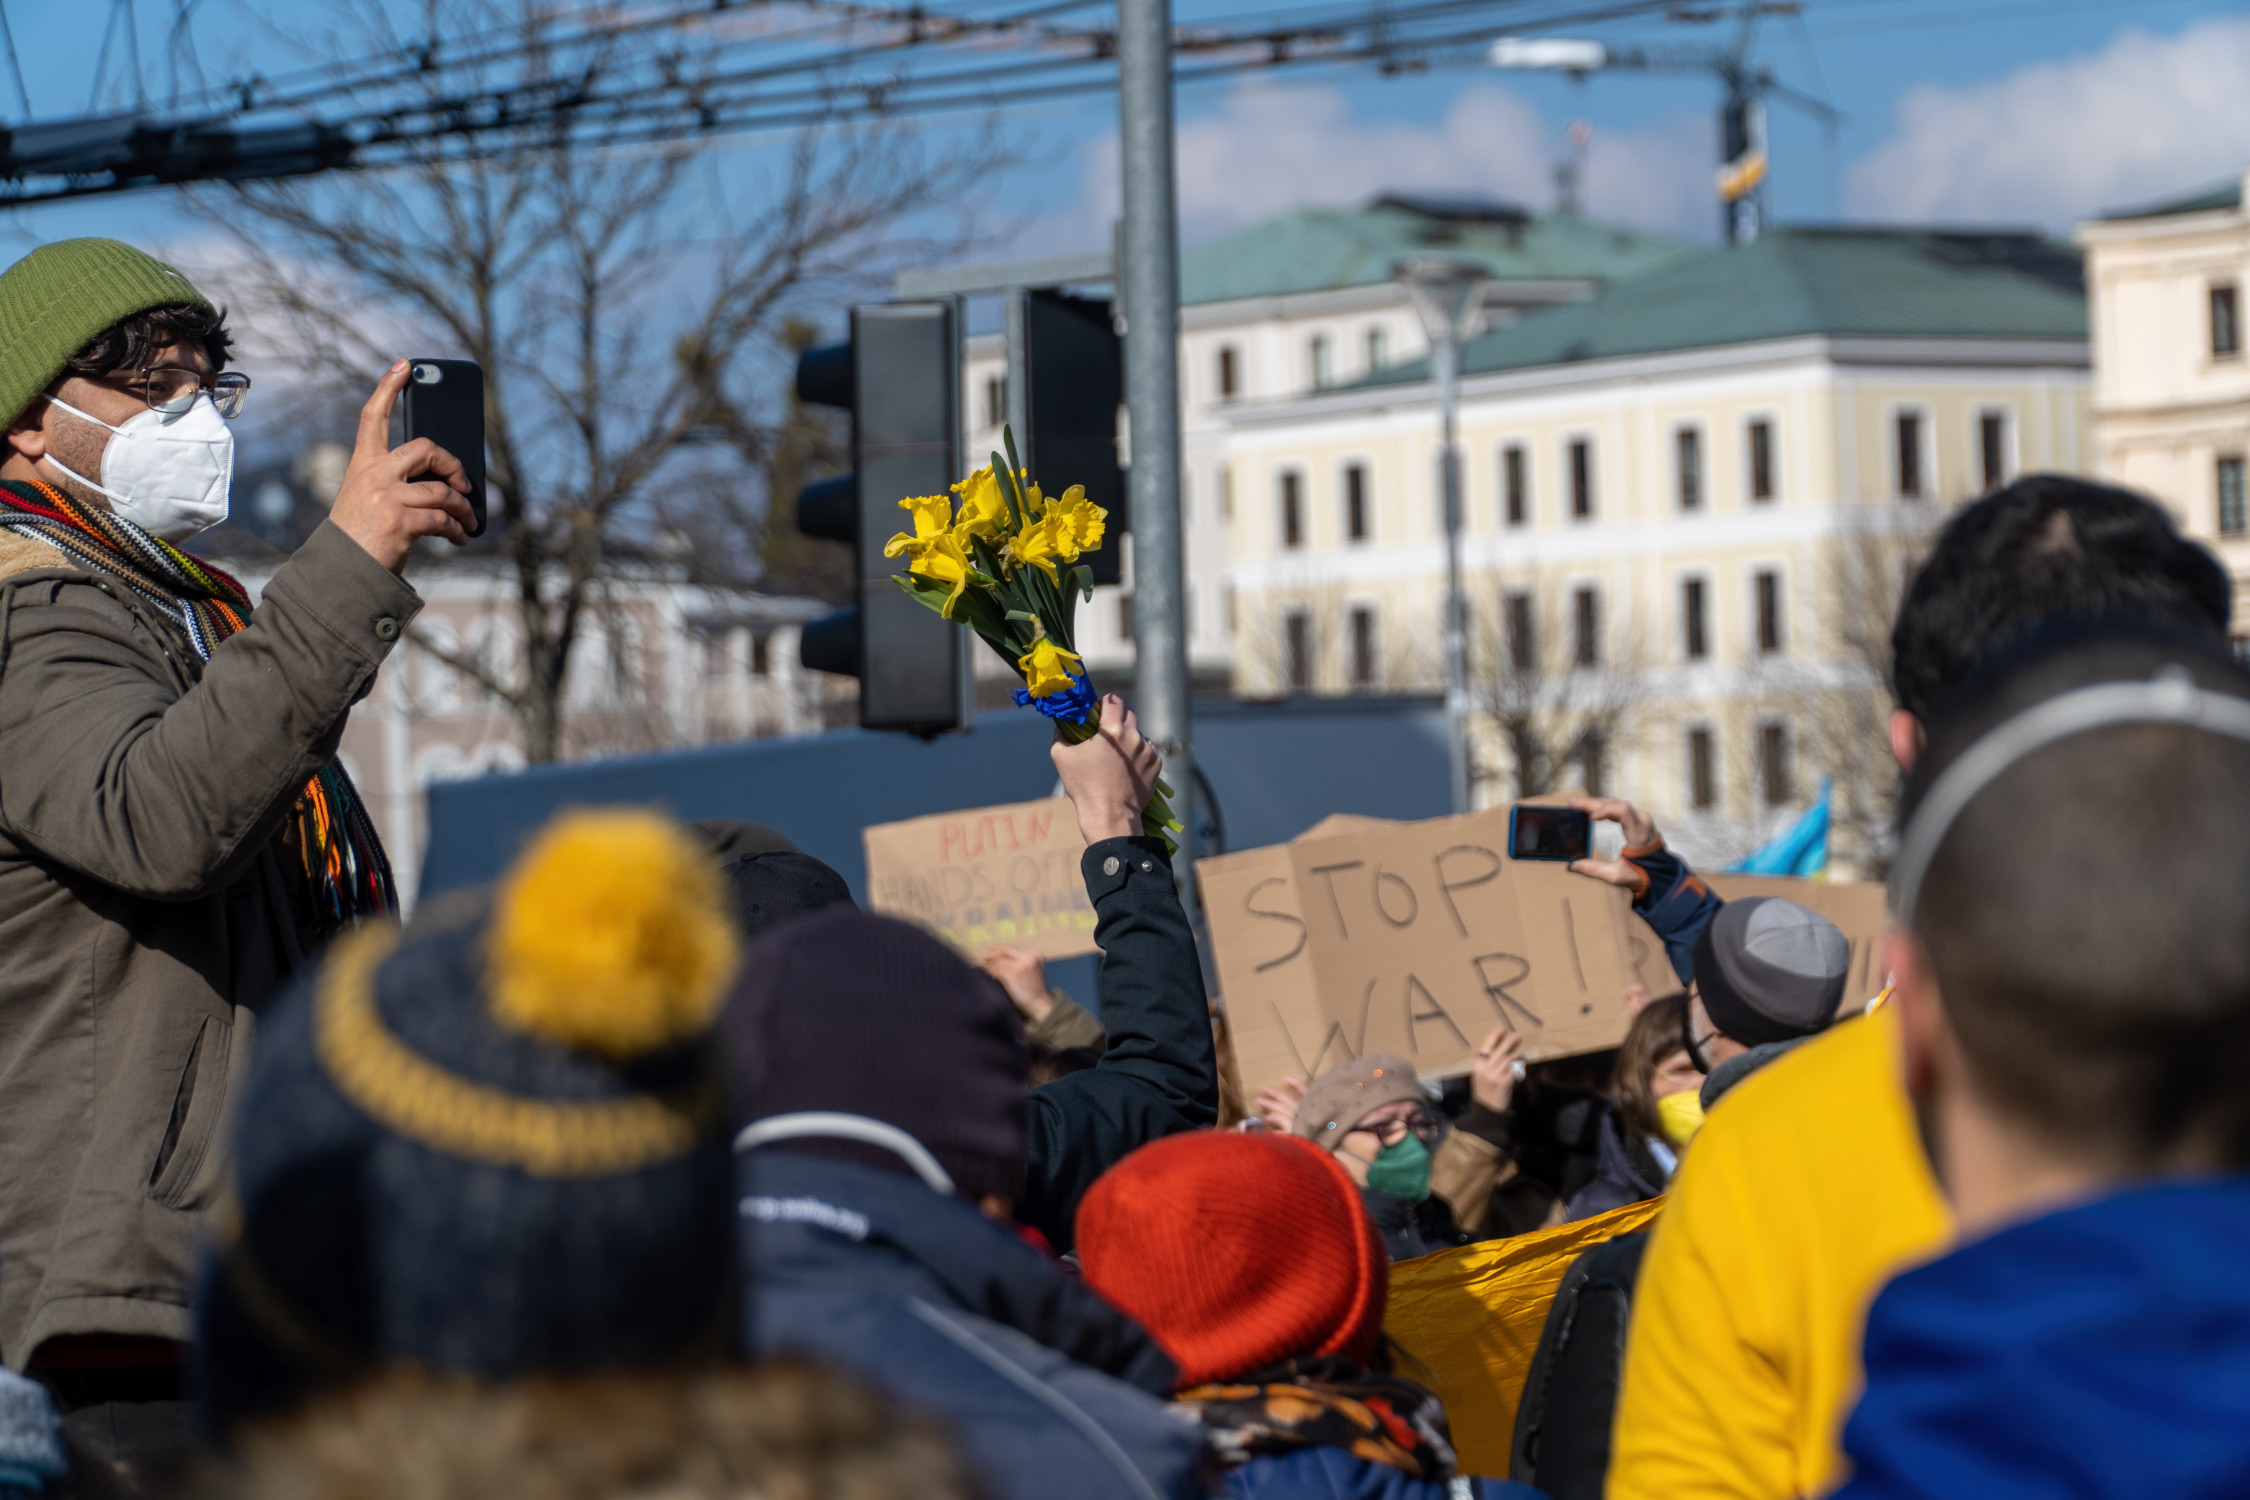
494	1142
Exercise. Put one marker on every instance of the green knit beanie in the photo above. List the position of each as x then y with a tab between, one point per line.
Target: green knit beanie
56	299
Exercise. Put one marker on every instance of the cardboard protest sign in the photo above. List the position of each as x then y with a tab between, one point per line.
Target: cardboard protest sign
985	876
1858	907
1413	938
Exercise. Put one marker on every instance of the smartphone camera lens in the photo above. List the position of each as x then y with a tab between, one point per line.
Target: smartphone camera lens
427	375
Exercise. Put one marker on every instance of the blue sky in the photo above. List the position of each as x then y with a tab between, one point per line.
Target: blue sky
1984	111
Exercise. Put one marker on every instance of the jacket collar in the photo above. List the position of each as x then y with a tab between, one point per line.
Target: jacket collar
816	1221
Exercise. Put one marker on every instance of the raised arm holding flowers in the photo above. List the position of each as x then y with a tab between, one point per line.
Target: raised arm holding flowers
1002	557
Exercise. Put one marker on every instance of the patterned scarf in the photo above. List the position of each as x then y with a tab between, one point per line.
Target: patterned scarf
1329	1402
347	878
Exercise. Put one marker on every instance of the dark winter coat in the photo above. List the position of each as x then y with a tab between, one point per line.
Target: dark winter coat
145	911
1628	1172
1048	1390
1676	904
1412	1229
1333	1474
1159	1076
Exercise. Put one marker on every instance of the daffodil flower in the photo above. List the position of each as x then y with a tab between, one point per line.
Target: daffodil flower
1066	528
933	516
1048	669
943	559
984	510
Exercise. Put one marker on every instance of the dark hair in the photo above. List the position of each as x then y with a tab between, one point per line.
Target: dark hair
2044	547
2083	914
132	343
1656	1033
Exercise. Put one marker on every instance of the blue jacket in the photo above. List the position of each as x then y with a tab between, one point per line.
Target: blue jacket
1677	905
1159	1075
1333	1474
2099	1353
1048	1390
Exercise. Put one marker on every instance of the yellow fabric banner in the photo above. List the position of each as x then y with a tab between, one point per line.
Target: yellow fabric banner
1471	1318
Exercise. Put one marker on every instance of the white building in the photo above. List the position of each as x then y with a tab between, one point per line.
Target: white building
1689	501
2172	384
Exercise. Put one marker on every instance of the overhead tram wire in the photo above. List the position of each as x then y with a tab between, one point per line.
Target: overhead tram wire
473	127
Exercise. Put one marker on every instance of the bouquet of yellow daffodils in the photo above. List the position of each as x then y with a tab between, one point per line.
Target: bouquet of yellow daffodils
1001	557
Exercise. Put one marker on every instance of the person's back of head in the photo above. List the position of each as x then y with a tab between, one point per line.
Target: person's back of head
491	1144
710	1434
2044	548
2076	851
843	1012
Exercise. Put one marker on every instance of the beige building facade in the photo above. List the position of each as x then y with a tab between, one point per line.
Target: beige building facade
2169	287
1689	503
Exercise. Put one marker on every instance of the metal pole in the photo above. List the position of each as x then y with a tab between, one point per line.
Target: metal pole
1445	363
1148	275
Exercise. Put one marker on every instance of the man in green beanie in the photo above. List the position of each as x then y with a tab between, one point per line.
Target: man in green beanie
176	834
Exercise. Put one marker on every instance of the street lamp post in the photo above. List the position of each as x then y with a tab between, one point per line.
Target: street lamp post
1449	297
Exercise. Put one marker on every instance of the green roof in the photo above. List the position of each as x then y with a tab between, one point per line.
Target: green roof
2224	195
1324	249
1794	282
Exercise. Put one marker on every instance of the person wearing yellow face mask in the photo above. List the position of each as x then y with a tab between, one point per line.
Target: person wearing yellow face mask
1656	1112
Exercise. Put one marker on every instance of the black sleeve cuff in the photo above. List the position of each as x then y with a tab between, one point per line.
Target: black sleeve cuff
1482	1123
1112	864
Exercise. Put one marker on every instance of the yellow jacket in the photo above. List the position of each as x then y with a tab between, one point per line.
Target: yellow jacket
1805	1191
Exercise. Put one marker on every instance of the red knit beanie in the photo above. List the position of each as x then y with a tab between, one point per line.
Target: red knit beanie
1236	1252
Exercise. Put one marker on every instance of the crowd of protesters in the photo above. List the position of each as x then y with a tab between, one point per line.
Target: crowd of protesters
659	1168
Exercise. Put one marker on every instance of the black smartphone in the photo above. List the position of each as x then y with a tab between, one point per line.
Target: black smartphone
445	403
1539	832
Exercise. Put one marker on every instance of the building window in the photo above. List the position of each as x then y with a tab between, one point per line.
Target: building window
718	658
1125	617
2226	322
1515	483
995	401
1992	449
1230	375
1226	494
1581	478
1908	425
1299	633
2232	519
1292	512
1693	632
1761	459
1317	355
1355	502
761	654
1586	621
1593	763
1378	350
1523	641
1767	585
1702	774
1773	765
1363	647
1687	446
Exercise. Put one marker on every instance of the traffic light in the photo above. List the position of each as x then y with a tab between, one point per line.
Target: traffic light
1074	382
899	377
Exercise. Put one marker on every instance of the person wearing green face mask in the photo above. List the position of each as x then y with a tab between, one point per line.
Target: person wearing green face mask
1373	1117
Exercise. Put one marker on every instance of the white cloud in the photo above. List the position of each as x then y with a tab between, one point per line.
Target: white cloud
1269	148
2145	117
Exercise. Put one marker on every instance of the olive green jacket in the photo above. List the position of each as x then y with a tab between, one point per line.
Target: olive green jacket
145	911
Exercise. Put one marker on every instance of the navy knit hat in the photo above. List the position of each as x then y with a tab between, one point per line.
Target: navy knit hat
871	1016
1769	970
493	1143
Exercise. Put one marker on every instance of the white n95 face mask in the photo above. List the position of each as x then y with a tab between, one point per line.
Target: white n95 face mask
168	474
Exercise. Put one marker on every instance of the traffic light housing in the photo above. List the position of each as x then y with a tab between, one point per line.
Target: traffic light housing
899	377
1074	383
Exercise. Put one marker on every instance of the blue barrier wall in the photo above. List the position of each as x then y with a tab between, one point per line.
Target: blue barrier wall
1276	769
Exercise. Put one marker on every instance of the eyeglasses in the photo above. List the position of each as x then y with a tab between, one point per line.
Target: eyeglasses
1429	1127
172	389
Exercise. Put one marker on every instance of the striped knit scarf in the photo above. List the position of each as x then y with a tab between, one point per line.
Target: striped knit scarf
346	875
